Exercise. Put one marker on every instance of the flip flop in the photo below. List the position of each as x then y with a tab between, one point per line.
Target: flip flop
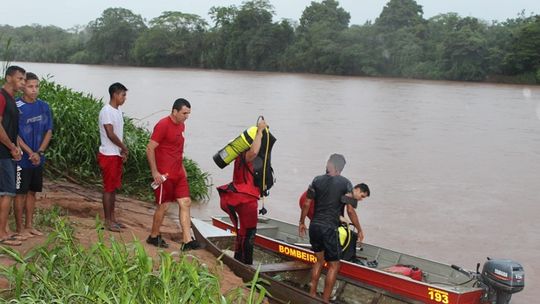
121	225
36	232
114	228
18	237
10	242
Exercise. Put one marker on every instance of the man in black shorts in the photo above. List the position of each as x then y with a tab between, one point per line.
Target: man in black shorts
333	193
35	133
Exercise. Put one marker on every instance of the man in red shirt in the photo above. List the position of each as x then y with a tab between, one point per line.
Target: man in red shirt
165	156
239	199
9	149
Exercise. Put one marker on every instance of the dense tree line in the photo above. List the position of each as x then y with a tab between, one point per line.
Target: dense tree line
399	43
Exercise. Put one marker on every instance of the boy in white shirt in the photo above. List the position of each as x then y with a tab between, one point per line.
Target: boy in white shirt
112	152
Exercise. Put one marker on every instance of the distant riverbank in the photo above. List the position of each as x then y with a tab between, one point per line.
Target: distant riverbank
400	43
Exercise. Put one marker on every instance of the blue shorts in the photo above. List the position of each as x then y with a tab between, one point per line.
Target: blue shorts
325	238
7	177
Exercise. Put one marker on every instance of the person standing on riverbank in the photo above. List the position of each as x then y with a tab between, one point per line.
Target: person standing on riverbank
9	150
165	153
112	152
35	132
239	199
332	192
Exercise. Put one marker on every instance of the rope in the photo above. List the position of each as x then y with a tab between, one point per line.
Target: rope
265	160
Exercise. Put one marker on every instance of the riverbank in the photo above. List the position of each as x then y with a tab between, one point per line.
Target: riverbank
83	205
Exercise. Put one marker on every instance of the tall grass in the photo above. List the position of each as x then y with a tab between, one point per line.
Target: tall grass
75	144
64	271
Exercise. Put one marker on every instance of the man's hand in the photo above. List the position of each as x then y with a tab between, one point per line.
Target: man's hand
302	229
158	178
124	154
16	153
35	158
261	124
360	238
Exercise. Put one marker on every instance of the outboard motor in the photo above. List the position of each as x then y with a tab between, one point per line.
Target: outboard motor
503	278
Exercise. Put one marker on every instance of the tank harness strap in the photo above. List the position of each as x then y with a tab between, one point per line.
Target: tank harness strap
248	137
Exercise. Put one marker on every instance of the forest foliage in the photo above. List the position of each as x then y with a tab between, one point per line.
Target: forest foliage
400	42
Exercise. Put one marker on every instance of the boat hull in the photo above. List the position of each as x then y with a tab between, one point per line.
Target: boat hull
404	287
286	279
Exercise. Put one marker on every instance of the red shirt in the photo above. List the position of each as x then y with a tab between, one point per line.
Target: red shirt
311	207
3	103
170	151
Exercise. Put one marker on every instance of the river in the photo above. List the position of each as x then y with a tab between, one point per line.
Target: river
454	168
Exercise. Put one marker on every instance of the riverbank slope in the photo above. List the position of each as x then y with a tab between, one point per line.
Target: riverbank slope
83	205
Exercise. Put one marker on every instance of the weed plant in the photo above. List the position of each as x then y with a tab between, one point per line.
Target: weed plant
64	271
74	147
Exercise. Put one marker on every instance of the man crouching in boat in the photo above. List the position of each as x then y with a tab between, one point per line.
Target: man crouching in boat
332	192
239	199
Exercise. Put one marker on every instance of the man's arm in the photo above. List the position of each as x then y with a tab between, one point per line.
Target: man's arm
12	147
303	214
354	219
112	136
151	156
34	157
46	140
256	144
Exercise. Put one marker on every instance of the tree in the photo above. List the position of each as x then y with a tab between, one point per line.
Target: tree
524	55
316	48
398	14
327	12
246	37
464	51
174	38
402	32
113	35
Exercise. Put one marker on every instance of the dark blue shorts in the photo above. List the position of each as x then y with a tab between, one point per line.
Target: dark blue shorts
325	238
7	177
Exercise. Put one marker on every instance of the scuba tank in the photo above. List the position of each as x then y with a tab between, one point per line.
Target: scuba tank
236	146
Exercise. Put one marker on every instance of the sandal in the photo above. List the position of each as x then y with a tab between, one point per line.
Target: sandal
18	237
121	225
36	232
10	242
114	228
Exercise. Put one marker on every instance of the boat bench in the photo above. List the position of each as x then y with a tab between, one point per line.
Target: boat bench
284	266
268	230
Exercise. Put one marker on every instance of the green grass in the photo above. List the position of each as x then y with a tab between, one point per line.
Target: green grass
63	271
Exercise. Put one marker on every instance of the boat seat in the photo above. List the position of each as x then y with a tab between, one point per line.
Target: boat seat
268	230
284	266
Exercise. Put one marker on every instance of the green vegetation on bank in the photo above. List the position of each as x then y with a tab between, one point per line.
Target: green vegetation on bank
73	149
399	43
63	271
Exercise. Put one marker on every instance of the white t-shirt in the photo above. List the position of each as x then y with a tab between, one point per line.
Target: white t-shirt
110	116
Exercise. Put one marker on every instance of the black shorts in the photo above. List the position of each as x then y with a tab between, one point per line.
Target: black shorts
325	238
29	179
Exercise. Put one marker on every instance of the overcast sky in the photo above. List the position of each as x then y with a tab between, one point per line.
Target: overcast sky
67	13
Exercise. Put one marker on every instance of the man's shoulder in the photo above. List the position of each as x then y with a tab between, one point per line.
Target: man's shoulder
320	178
342	178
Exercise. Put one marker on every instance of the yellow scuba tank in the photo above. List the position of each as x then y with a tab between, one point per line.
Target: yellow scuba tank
236	146
344	235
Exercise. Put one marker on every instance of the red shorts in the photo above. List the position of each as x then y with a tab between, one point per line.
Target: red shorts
111	171
172	189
